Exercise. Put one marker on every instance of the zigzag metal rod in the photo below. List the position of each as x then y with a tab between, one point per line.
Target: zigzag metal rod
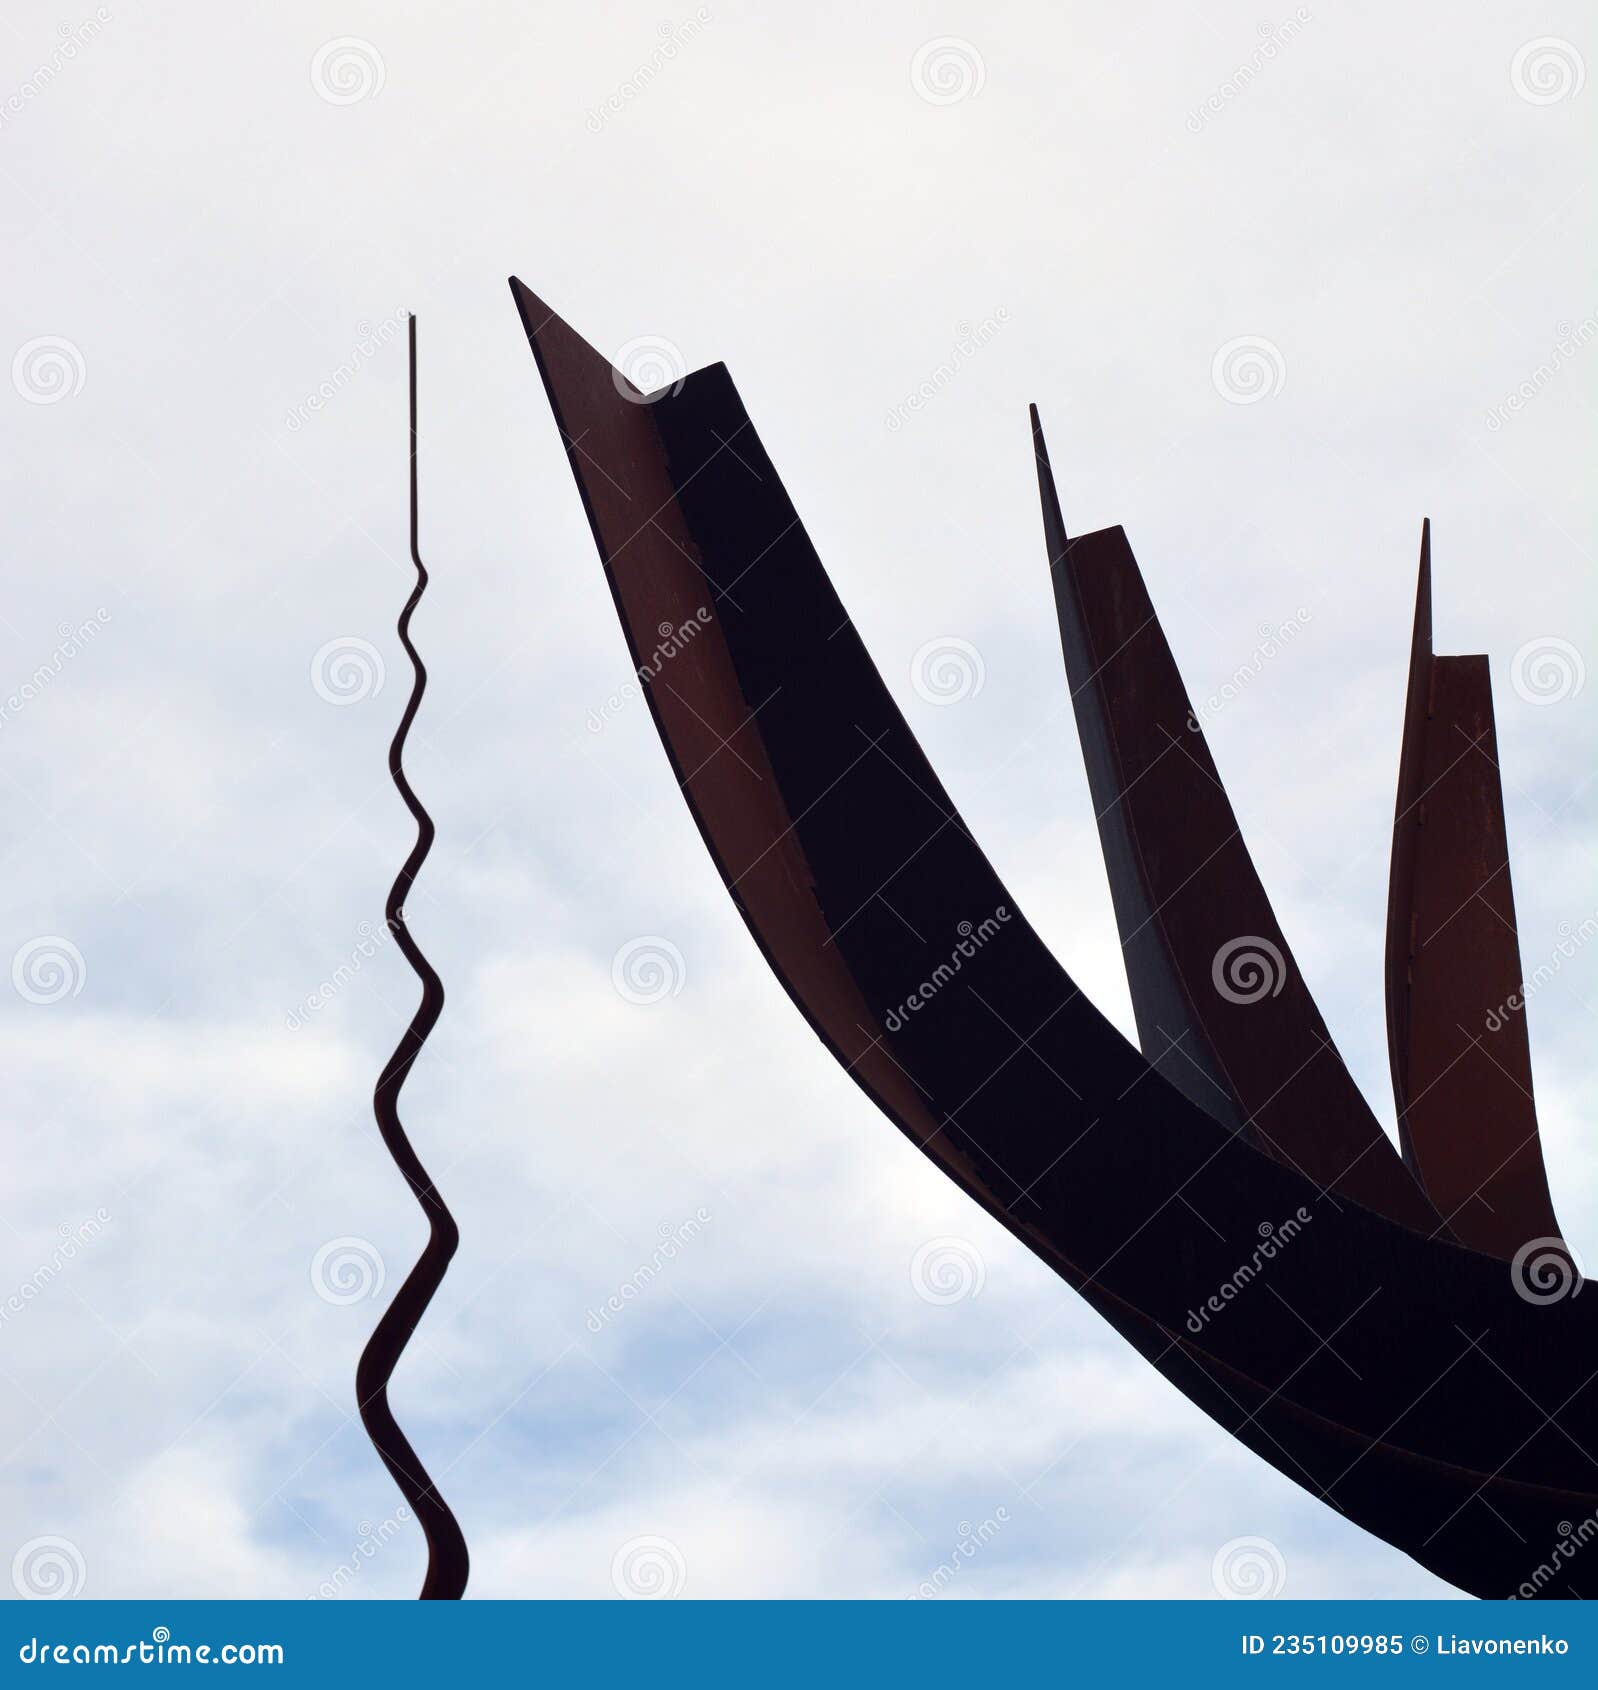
447	1559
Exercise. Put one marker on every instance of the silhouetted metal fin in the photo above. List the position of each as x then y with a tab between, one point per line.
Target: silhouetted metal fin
1456	1013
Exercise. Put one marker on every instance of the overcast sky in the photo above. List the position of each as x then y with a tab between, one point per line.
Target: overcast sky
1281	284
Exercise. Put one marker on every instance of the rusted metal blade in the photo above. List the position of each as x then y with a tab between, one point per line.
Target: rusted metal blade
1456	1010
1223	1011
1314	1329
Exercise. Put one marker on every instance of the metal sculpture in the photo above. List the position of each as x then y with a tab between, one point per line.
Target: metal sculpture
1401	1377
447	1560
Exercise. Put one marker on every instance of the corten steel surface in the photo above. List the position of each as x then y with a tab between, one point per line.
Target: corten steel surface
1222	1009
1456	1016
1401	1378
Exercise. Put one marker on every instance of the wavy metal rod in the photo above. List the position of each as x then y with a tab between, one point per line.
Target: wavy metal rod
447	1559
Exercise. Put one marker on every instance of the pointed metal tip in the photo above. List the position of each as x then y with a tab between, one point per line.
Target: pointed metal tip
535	313
1039	444
1053	516
1421	639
